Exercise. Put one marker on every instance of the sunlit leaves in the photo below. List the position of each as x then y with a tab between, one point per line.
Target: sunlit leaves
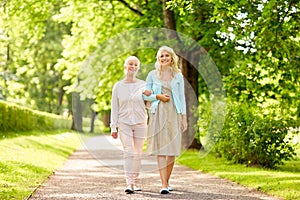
255	44
92	23
265	32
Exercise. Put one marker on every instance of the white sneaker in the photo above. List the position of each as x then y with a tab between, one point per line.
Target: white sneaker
135	188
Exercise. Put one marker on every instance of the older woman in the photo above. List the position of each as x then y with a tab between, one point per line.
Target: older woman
168	113
129	120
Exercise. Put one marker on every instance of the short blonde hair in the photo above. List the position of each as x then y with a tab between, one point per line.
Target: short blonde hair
132	58
175	59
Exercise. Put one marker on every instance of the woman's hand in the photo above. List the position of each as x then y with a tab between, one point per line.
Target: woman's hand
114	135
147	92
163	97
183	123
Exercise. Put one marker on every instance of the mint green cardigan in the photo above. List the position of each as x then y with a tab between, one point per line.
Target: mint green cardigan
177	86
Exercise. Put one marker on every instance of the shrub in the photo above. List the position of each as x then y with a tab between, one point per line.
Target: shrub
255	136
18	118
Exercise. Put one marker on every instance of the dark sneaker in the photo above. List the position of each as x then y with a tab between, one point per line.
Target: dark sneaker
164	191
129	190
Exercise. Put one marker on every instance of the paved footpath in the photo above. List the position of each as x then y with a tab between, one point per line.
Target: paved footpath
95	171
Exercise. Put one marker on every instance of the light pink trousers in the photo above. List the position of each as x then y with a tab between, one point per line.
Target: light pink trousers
132	138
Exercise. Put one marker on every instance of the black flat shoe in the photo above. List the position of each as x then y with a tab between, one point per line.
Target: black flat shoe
129	190
164	191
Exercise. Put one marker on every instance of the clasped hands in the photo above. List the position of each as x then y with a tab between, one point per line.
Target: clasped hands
163	97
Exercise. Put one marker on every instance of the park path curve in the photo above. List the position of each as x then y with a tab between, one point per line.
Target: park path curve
95	171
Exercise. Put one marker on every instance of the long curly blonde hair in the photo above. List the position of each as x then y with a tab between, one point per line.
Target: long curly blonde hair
175	68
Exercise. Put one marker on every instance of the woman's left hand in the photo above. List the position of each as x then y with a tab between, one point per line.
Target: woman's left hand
183	123
147	92
114	135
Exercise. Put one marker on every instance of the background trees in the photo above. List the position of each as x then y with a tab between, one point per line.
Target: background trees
47	50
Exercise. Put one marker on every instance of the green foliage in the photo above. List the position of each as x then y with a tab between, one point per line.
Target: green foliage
254	44
266	35
256	136
17	118
22	27
45	44
31	47
92	23
44	76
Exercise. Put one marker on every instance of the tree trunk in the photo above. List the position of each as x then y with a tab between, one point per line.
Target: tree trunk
93	117
60	100
191	95
76	113
191	82
169	21
106	118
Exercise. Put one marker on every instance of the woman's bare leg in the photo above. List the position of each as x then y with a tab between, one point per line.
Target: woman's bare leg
162	167
170	164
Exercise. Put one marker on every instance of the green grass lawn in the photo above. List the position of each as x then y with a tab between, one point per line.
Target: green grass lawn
282	182
27	159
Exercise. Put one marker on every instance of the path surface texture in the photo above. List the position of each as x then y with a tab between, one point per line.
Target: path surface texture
95	171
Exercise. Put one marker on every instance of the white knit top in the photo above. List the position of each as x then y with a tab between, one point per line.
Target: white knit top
127	104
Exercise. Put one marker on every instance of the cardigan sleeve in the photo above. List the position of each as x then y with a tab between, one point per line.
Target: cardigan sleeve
182	95
149	86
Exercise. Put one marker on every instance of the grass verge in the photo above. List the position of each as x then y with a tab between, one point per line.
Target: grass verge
281	182
27	159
